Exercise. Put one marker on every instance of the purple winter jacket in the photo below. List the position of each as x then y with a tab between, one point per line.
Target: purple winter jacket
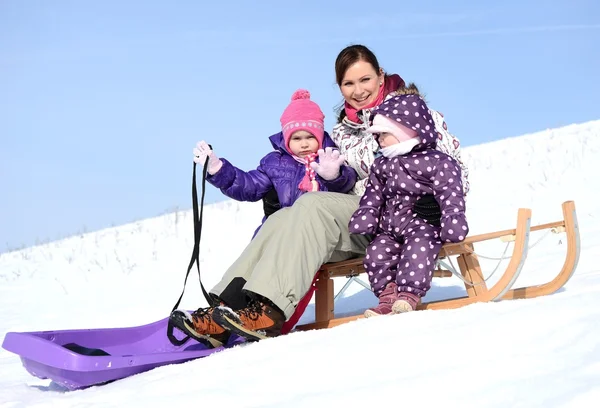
280	170
395	184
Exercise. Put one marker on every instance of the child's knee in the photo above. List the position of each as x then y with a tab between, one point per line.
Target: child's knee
422	229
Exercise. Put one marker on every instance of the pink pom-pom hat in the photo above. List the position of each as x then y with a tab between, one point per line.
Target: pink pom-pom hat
302	114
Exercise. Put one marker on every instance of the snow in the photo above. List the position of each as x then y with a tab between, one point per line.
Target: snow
538	352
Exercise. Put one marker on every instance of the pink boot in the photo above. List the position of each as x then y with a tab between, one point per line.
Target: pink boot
387	298
406	302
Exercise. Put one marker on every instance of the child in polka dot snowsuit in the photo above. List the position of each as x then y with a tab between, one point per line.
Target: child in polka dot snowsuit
401	257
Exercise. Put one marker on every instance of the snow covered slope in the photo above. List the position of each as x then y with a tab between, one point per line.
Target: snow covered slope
539	352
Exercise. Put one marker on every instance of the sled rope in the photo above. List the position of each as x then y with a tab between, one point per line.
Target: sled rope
195	252
452	268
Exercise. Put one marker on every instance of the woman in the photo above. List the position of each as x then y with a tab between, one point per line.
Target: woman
364	85
263	288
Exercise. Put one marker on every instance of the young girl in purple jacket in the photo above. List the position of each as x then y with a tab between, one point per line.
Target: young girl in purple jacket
303	160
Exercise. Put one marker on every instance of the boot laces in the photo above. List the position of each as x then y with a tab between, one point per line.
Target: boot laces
253	311
203	314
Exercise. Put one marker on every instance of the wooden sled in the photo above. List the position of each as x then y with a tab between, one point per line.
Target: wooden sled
477	290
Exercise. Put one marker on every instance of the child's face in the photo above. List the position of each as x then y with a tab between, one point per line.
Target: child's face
402	134
303	143
386	139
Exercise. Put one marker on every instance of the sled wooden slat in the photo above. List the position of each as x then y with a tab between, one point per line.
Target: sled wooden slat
469	267
471	270
355	267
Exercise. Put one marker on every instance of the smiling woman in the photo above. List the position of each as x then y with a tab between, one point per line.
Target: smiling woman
364	85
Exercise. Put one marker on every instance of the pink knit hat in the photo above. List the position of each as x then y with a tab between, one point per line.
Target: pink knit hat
302	114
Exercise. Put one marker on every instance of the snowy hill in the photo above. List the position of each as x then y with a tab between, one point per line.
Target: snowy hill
538	352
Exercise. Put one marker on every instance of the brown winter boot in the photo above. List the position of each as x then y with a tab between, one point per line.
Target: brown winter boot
259	320
200	326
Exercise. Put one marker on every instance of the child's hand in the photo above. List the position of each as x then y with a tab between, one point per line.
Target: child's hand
201	152
364	221
329	163
454	228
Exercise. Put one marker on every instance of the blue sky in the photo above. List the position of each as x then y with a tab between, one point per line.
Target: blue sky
101	102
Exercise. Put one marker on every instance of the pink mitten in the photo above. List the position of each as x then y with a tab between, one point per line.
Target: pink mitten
201	152
329	163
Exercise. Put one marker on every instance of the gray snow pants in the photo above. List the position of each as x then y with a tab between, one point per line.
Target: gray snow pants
281	261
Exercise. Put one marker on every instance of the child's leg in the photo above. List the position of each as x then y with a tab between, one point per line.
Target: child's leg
415	271
381	260
380	263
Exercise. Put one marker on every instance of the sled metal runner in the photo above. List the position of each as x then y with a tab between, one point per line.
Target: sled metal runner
475	285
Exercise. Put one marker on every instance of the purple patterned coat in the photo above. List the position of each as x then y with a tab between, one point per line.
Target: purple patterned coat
405	247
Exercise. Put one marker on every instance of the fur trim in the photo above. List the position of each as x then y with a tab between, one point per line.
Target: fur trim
411	89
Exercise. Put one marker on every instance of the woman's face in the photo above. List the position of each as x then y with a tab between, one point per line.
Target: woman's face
360	84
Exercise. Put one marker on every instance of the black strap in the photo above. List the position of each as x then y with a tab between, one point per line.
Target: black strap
195	252
271	203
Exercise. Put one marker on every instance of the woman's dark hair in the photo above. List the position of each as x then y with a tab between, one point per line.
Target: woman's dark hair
351	55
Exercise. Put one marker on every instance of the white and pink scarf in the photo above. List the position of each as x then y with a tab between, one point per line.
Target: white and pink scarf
309	181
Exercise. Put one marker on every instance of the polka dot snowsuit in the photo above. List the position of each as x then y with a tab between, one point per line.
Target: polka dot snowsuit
405	247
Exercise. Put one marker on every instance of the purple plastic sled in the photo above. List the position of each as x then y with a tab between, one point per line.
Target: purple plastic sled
81	358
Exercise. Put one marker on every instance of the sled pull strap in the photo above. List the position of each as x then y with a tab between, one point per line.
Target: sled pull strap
195	252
